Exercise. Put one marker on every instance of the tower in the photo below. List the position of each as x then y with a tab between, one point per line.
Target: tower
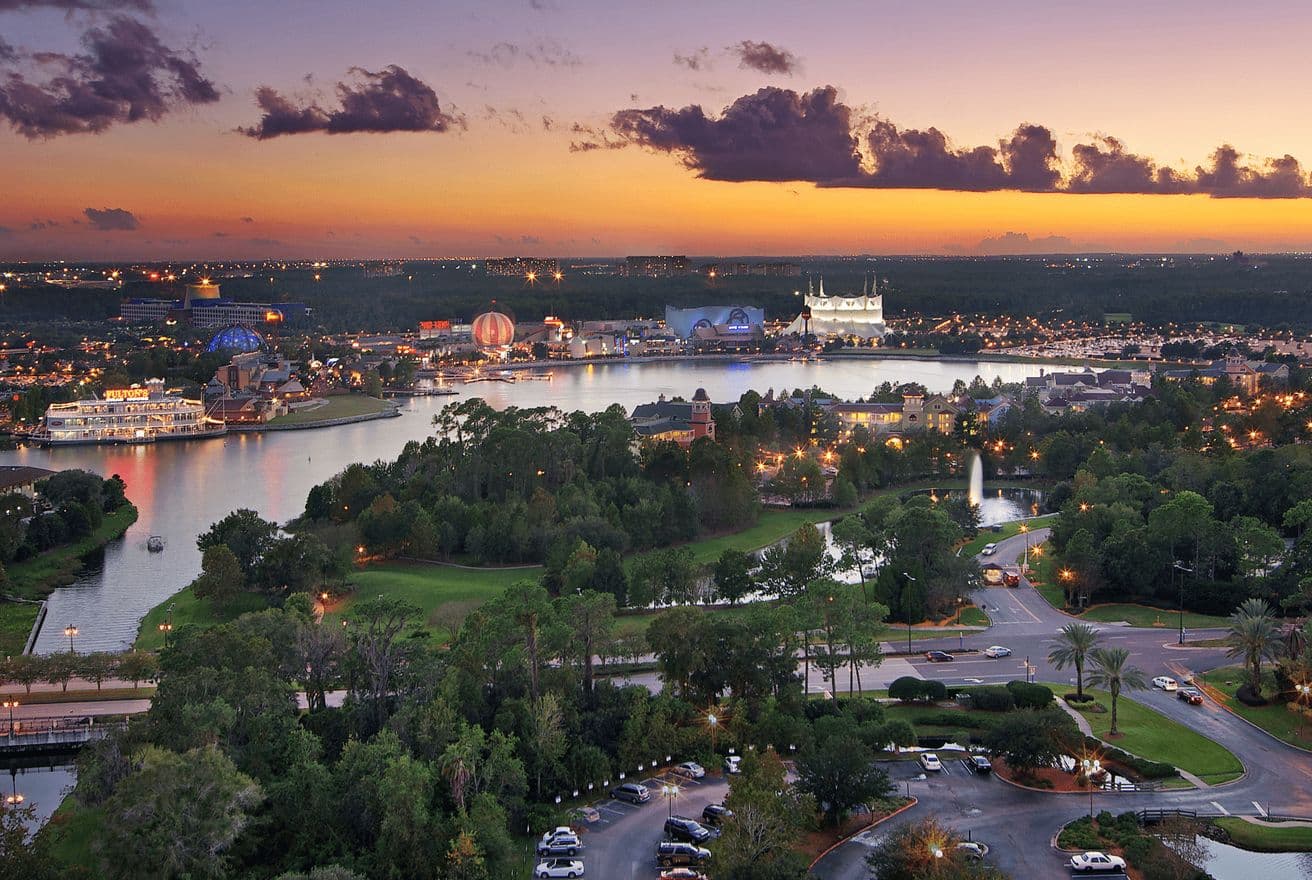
702	423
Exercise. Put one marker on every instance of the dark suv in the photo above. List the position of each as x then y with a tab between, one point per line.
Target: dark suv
670	853
683	828
633	792
715	814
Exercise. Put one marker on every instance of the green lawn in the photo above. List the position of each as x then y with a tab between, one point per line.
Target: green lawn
772	525
188	610
1143	615
70	832
1275	719
340	406
1263	837
34	578
16	619
1149	734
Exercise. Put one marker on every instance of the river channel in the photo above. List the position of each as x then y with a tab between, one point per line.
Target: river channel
180	488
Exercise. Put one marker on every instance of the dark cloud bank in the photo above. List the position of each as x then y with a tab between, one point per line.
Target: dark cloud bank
383	101
124	74
111	219
783	135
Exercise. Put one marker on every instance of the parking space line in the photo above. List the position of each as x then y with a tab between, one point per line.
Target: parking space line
1261	812
1221	808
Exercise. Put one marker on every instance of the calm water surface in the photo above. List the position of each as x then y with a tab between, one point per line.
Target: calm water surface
180	488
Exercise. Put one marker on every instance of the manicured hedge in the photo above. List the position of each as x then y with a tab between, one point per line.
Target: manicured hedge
1028	695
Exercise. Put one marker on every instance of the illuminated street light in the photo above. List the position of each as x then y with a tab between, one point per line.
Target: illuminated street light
71	632
11	705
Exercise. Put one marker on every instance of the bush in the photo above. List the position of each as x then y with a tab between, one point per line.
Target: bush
933	691
1249	697
1076	699
1029	696
906	689
1136	766
992	699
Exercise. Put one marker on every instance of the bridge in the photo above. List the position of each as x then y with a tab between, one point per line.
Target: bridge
54	734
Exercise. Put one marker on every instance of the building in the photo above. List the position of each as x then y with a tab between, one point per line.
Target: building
531	268
825	315
1244	375
915	413
203	306
655	267
22	480
128	415
674	421
726	320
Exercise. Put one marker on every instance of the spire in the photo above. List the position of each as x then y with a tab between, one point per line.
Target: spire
809	289
822	285
865	284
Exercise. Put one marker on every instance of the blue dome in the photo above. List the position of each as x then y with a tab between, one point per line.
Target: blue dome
235	338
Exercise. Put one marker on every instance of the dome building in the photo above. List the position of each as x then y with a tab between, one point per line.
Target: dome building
235	338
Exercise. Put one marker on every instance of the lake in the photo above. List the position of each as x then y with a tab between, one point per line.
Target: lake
180	488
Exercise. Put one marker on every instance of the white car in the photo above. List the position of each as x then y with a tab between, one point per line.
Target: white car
996	651
691	769
972	850
930	761
1090	862
559	868
1165	682
989	550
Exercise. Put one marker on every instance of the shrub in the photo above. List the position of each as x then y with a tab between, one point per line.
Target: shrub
906	689
992	699
1075	699
1135	766
897	733
933	691
1029	696
1249	697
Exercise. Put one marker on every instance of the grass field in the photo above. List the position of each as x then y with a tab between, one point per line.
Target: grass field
1149	734
188	610
69	834
340	406
34	578
1264	837
1275	719
1143	615
16	619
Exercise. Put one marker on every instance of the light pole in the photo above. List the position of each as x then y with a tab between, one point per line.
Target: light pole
670	792
1025	530
1180	567
910	580
11	705
1091	767
14	799
71	632
714	721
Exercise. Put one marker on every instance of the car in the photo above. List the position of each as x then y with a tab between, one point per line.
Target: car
587	814
687	830
1192	696
558	831
939	657
733	764
972	851
715	814
691	769
996	651
979	764
682	874
989	549
560	845
930	761
559	868
633	792
674	852
1096	862
1165	682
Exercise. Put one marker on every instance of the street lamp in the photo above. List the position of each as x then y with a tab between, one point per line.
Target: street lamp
910	580
1092	767
1180	567
714	721
71	632
11	705
1025	530
670	792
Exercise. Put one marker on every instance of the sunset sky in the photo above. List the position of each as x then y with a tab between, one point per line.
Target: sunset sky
179	129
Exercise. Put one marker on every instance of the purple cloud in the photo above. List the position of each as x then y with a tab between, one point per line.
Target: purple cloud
388	100
764	57
124	75
146	6
111	219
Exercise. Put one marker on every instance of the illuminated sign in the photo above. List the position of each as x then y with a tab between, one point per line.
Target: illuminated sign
126	394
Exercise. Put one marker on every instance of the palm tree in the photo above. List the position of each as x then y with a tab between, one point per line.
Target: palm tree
1255	636
1074	642
1110	672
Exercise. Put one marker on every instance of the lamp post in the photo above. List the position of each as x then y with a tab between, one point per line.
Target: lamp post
71	632
714	721
1178	566
11	705
1091	767
15	798
910	580
670	792
1025	530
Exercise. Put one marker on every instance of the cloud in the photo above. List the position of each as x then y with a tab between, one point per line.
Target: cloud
125	75
111	219
1021	243
38	225
774	134
547	122
220	235
389	100
5	232
7	51
765	57
264	242
146	6
248	219
698	59
783	135
544	53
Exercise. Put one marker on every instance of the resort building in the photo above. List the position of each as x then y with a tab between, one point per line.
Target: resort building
203	306
915	413
675	421
1245	375
128	415
824	315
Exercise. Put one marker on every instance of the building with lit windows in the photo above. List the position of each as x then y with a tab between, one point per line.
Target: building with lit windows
543	268
674	421
128	415
656	267
202	305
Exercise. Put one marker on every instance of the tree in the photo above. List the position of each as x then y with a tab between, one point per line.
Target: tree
733	575
1028	739
923	850
375	634
590	617
609	576
852	538
176	816
138	666
1073	643
244	533
840	774
769	818
1254	636
675	637
97	667
546	736
21	856
222	578
60	668
1110	672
